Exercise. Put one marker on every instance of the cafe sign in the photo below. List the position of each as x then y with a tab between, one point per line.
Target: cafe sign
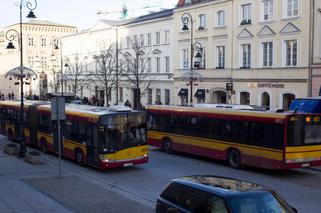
266	85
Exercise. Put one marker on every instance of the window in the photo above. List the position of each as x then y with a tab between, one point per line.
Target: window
121	94
43	42
150	96
149	39
158	96
267	54
128	41
220	56
157	64
185	63
142	40
157	38
30	60
166	64
267	10
136	40
202	22
30	41
203	59
246	14
43	62
220	18
149	64
167	37
291	48
167	97
292	8
246	55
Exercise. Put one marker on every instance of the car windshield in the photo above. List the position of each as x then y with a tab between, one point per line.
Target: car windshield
258	202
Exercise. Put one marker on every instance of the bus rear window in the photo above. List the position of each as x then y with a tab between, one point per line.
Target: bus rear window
304	130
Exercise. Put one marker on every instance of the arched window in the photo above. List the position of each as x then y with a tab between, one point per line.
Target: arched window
265	100
287	100
202	22
221	18
245	98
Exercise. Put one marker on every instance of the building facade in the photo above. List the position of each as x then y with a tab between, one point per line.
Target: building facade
40	53
254	52
152	33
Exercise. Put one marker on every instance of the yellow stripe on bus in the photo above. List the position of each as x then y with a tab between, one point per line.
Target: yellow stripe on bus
303	152
130	153
219	145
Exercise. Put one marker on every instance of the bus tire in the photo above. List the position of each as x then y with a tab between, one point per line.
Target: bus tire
79	157
234	159
44	146
10	135
167	146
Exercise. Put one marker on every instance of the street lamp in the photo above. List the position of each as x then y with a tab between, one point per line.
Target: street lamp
192	75
21	72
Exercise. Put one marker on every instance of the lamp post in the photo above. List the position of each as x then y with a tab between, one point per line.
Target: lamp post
21	72
192	75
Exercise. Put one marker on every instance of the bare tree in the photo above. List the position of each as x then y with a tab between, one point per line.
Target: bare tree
76	73
103	75
136	70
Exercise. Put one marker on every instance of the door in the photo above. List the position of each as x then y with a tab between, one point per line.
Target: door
92	144
33	124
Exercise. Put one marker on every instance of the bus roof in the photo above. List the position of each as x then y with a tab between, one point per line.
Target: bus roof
226	106
261	114
17	103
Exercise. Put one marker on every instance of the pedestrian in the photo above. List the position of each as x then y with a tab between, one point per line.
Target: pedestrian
128	104
12	96
9	96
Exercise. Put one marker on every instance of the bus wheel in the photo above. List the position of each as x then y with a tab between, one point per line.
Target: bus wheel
167	146
10	135
234	159
44	146
79	157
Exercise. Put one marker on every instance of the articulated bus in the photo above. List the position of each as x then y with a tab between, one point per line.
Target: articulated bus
262	139
97	136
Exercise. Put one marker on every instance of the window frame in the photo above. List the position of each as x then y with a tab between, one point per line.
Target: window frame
246	12
220	15
248	56
220	61
202	21
270	54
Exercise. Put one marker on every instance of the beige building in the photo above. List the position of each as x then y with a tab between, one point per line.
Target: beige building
40	53
259	52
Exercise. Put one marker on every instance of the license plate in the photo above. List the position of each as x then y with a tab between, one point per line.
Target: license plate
305	164
127	164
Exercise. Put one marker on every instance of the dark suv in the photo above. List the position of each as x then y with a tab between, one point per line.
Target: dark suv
211	194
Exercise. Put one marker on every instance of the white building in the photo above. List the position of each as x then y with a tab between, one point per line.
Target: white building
152	32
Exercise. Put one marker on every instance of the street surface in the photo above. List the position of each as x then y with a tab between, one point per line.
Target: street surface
132	189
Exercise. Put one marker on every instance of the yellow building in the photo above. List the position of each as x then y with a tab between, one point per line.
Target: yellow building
253	52
40	53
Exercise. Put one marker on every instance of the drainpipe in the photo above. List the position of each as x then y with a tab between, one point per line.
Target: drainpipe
311	45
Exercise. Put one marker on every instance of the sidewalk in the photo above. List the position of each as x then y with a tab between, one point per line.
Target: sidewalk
15	195
36	188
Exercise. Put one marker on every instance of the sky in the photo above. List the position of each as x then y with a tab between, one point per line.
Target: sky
79	13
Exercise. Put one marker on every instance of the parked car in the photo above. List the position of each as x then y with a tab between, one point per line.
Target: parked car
211	194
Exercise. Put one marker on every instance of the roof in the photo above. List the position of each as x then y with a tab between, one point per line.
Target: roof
221	185
181	3
151	16
45	23
115	23
219	111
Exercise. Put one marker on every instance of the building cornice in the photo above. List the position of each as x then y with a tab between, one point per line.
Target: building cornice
199	5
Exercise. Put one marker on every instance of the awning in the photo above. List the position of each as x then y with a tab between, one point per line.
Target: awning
200	93
183	92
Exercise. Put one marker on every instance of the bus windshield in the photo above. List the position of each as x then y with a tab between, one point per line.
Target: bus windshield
124	131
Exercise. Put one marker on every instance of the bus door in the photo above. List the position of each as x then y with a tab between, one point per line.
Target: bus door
92	144
33	124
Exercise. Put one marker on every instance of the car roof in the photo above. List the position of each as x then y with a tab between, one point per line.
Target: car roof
221	186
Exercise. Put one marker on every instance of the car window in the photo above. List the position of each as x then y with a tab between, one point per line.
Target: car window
216	205
262	202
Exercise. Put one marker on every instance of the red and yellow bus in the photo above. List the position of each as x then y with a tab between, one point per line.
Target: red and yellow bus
97	136
262	139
